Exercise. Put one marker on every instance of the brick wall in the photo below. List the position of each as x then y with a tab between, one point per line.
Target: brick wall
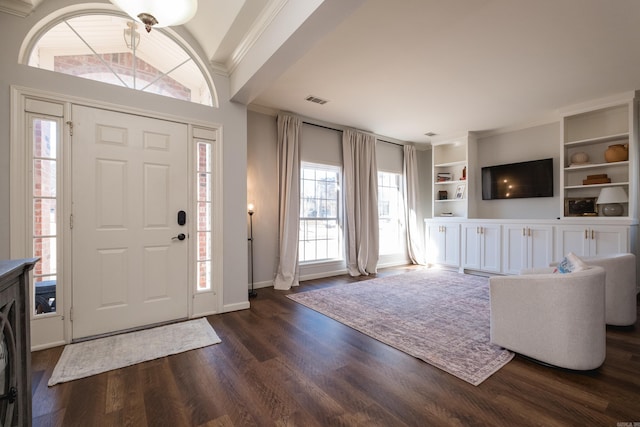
91	67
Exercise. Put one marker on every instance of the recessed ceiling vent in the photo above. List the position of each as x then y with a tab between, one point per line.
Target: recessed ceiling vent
430	134
317	100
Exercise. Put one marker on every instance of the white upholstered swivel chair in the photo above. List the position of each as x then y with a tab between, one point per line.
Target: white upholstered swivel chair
555	318
620	287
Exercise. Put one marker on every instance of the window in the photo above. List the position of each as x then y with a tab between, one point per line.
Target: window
112	49
390	213
204	206
320	227
45	137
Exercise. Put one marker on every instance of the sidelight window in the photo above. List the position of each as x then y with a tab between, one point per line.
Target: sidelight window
45	139
204	178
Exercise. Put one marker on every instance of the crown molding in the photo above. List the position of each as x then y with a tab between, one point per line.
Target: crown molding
19	8
262	22
219	68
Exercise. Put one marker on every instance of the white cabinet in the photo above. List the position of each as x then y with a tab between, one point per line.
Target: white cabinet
592	240
526	246
443	243
481	246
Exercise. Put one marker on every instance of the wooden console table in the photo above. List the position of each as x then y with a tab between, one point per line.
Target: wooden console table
15	342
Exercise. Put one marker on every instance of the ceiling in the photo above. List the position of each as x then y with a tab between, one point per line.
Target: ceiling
403	68
406	67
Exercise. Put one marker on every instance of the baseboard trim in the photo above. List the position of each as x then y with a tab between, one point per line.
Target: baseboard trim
235	307
47	345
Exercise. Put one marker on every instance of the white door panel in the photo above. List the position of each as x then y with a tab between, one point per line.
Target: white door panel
129	181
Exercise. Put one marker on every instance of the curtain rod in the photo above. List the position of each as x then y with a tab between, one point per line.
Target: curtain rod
342	130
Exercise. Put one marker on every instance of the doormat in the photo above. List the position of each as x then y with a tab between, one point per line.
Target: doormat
93	357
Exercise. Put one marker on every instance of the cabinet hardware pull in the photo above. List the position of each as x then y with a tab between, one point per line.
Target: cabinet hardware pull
586	234
524	231
593	234
528	232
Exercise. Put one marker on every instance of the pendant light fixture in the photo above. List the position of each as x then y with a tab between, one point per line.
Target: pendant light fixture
158	13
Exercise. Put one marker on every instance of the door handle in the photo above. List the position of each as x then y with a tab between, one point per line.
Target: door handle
180	236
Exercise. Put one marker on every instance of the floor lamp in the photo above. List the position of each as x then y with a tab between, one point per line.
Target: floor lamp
250	209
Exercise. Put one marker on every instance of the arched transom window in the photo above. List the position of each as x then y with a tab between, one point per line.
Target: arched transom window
117	50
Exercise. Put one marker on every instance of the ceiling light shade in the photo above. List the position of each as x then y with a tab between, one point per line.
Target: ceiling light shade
158	13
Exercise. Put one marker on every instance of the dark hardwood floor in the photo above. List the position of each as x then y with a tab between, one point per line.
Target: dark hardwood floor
282	364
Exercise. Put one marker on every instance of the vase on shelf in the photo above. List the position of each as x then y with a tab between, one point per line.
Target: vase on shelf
617	153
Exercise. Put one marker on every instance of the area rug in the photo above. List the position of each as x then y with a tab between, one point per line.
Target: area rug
101	355
440	317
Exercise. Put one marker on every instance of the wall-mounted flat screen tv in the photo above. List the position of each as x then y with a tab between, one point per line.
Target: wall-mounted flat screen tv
518	180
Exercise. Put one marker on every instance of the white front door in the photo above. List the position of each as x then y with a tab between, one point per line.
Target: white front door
129	180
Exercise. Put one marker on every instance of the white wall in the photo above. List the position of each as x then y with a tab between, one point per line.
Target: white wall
231	116
534	143
262	191
318	145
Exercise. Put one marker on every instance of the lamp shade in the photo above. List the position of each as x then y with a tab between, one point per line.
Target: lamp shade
612	195
166	13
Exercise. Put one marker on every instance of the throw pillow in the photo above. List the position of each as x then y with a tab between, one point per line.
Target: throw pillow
570	264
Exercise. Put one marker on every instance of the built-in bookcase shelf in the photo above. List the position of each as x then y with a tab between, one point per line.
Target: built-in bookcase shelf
451	162
587	134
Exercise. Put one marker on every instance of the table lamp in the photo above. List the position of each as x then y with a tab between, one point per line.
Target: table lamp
611	198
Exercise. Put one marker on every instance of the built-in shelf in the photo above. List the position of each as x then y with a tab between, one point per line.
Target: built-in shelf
590	133
610	184
451	158
597	140
449	182
449	164
596	166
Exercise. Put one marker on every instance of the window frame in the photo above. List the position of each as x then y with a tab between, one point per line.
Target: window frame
57	248
338	218
208	171
75	11
401	235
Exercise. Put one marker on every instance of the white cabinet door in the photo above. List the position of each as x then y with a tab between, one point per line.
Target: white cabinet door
481	247
443	244
514	250
539	245
471	246
606	240
572	238
435	243
490	248
590	240
526	246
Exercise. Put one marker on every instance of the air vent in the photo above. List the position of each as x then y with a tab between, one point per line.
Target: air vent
430	134
317	100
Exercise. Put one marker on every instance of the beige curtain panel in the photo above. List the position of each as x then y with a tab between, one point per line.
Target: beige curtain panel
415	248
361	202
289	201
